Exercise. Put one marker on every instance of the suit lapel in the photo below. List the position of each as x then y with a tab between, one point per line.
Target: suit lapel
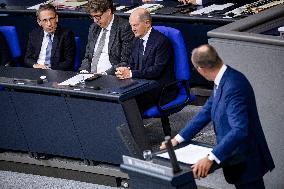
219	92
96	33
113	32
54	43
39	42
149	45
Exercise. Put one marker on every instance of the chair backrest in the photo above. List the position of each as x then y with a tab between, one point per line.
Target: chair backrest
181	65
11	36
77	52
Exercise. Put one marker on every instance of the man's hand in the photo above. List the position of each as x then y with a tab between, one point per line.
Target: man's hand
122	72
201	168
41	66
188	1
174	143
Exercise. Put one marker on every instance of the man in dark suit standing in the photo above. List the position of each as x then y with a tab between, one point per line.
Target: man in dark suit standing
50	46
241	148
151	58
109	40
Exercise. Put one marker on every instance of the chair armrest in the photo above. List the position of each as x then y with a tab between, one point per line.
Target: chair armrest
178	85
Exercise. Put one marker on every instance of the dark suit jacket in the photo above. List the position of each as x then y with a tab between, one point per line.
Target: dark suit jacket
119	47
5	57
157	59
237	127
157	65
63	48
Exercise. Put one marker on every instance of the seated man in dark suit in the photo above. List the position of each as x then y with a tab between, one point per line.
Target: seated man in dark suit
50	46
5	58
151	58
109	40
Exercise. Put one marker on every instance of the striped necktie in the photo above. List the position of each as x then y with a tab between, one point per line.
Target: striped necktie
48	51
98	52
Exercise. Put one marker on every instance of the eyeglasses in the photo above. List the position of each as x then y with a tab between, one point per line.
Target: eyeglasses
97	17
48	20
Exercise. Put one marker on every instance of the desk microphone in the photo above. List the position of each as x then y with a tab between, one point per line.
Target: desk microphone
172	154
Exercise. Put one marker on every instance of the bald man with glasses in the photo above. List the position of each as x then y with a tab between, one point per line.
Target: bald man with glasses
50	46
109	40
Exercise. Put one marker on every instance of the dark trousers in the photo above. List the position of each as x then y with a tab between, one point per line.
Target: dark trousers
258	184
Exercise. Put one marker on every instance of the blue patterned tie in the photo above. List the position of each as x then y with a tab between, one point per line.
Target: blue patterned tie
48	51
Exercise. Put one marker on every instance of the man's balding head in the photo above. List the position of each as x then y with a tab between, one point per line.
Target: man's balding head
140	21
205	56
207	61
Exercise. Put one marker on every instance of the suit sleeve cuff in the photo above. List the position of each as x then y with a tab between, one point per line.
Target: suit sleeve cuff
179	138
212	157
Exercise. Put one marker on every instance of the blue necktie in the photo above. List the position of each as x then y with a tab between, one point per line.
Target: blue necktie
214	89
48	51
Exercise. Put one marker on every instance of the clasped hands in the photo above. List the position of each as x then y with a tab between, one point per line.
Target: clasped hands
41	66
122	72
200	169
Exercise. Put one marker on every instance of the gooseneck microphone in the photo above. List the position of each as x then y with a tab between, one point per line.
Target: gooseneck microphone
173	158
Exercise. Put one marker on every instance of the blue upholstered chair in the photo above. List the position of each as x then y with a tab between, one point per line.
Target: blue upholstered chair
182	75
11	36
77	52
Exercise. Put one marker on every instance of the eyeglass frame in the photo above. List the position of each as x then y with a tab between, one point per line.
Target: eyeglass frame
97	17
48	20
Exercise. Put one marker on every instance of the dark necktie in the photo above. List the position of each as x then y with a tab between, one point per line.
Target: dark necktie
141	52
98	52
48	51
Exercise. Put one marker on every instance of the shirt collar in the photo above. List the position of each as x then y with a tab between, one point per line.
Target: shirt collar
145	37
110	24
220	75
46	33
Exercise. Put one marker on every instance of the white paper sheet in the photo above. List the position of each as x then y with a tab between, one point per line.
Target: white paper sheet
189	154
76	79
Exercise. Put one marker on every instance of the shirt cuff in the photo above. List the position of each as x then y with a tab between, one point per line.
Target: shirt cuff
130	74
212	157
179	138
199	2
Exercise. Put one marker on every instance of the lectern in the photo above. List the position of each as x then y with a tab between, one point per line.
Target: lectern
156	174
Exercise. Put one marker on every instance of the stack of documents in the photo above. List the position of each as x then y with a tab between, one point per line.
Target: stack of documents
63	4
189	154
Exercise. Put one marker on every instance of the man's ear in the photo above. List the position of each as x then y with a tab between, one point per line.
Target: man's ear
38	21
148	23
56	18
